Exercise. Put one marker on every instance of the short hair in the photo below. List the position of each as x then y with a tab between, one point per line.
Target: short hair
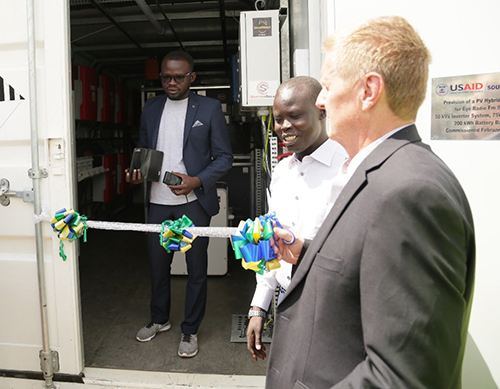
180	55
312	86
391	47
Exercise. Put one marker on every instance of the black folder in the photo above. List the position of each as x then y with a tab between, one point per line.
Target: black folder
149	162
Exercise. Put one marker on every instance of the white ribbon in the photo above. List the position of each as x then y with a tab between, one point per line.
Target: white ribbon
207	232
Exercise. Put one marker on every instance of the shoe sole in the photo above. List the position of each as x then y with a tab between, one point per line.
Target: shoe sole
184	355
166	328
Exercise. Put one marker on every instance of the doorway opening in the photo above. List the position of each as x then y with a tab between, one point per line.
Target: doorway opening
116	52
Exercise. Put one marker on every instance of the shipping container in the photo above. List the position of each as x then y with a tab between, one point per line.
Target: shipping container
73	78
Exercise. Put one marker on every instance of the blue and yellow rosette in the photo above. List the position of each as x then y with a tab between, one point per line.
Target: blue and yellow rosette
174	236
69	225
253	245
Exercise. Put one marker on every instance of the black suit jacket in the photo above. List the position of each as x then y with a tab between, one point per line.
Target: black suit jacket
207	149
382	296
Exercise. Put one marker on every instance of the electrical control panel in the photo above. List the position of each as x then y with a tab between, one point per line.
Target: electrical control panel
259	58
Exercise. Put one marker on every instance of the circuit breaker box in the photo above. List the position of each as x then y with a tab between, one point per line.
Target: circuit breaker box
259	58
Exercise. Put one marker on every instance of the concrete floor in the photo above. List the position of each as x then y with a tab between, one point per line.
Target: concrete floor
115	293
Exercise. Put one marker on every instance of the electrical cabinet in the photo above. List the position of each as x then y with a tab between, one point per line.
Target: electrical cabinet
106	99
259	58
104	185
121	103
85	89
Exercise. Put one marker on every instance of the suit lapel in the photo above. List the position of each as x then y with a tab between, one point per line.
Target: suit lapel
357	182
192	108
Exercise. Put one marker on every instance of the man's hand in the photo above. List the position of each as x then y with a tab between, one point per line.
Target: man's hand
254	338
287	252
187	186
135	178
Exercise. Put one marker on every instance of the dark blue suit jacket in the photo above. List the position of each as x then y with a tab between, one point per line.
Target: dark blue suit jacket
207	149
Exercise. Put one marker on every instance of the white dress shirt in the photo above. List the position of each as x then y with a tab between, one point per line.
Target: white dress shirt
302	194
353	164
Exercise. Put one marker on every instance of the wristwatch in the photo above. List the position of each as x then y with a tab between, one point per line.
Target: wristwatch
255	312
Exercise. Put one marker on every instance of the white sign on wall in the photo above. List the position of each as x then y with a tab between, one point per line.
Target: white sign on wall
466	107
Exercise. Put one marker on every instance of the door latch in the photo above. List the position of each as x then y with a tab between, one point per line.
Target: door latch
6	194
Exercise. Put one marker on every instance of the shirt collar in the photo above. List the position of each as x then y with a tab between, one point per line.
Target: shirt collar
323	154
364	152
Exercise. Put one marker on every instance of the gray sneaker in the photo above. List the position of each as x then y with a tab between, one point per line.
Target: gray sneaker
147	333
189	346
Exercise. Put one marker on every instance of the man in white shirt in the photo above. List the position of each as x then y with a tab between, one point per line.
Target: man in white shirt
303	187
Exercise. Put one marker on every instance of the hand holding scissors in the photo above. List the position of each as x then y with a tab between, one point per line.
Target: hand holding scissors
286	245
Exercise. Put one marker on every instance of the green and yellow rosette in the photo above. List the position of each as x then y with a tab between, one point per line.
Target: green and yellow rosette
69	225
252	245
174	236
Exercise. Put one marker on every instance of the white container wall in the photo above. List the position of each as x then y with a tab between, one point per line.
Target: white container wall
20	327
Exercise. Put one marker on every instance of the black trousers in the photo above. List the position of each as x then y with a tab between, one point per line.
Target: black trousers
161	261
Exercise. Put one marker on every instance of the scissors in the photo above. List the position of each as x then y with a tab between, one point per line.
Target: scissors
283	228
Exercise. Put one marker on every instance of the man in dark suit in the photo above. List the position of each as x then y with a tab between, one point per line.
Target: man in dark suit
381	297
191	131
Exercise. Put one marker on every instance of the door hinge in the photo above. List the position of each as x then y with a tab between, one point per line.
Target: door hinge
42	173
49	363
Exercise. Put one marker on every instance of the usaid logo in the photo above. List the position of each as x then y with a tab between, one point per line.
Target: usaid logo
466	87
442	89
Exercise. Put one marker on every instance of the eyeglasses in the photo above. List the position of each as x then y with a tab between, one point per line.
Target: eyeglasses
177	79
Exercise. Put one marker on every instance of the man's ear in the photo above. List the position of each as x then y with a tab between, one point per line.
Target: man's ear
192	76
373	87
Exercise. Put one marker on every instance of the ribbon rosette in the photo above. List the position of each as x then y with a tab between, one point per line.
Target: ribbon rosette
69	225
253	245
174	237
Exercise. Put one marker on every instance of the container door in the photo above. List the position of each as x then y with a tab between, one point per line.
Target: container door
20	313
